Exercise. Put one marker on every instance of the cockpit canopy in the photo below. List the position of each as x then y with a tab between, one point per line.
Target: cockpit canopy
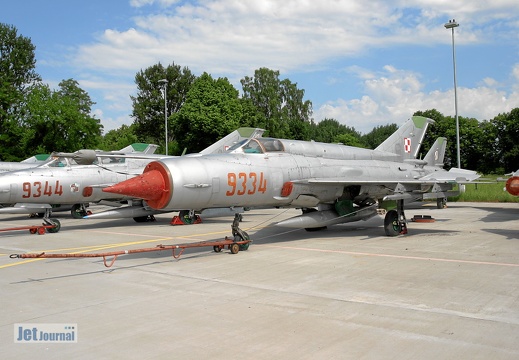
258	146
64	161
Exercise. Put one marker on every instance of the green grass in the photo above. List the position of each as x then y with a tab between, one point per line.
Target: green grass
491	192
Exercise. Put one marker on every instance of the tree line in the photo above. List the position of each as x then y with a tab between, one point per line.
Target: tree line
201	109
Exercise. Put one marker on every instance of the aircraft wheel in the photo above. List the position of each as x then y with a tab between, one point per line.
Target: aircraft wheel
243	247
56	228
184	216
77	212
235	248
441	203
391	224
217	248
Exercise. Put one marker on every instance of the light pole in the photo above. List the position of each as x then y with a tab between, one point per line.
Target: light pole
165	83
451	25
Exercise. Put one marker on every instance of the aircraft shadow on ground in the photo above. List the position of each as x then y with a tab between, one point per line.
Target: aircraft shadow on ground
268	234
495	214
273	235
68	223
507	233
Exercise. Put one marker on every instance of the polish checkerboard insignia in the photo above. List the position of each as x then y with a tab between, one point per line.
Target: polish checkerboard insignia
407	145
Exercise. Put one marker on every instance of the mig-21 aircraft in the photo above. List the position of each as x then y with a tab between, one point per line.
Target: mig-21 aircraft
331	183
40	188
75	180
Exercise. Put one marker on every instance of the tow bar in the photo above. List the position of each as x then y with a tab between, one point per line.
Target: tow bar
240	241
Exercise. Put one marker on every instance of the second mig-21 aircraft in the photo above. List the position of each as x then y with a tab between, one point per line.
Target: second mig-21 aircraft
331	183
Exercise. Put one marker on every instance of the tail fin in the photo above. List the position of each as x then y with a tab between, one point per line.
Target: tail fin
436	153
406	141
236	136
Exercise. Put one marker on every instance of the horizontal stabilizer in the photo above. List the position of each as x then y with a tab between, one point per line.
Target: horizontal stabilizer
454	174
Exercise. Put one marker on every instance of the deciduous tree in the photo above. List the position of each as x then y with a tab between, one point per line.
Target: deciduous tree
212	110
283	112
148	105
17	76
59	120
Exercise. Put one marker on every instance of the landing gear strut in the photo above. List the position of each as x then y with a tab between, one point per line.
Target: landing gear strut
238	234
441	203
395	222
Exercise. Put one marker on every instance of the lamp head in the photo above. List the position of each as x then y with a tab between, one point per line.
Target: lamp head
451	24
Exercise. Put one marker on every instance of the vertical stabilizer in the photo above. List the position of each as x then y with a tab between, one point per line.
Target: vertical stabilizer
436	154
406	141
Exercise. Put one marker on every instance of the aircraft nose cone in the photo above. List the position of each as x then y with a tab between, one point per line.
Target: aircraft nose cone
512	185
152	185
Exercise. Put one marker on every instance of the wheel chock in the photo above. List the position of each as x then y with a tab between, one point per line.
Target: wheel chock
423	219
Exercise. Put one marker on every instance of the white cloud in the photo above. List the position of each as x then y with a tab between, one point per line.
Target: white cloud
232	38
395	95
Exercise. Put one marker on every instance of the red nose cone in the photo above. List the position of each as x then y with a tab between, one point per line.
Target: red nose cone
152	185
512	185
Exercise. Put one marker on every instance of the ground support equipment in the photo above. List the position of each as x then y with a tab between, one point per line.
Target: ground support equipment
49	225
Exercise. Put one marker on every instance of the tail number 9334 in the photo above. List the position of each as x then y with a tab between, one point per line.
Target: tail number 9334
246	183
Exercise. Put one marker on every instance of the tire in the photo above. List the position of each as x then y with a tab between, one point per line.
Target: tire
77	212
441	203
391	224
56	228
183	215
235	248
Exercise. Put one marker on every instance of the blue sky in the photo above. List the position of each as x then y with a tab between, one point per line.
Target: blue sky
364	63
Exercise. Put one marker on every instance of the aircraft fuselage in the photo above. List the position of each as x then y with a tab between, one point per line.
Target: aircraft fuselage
64	185
261	180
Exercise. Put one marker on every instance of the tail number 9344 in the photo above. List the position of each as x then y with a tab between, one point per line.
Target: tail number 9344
37	189
246	183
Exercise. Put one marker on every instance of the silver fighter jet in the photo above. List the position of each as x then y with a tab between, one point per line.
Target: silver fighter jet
331	183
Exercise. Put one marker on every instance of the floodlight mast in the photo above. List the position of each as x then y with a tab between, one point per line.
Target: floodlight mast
451	25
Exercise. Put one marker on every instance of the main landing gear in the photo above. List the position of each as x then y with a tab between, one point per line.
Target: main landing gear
79	211
238	234
395	222
186	217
